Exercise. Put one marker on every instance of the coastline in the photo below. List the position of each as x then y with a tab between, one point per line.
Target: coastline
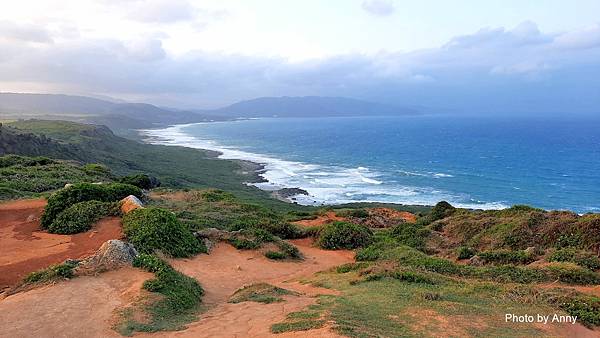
272	173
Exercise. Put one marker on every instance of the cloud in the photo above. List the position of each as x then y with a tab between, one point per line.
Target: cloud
494	69
587	38
378	7
163	11
24	32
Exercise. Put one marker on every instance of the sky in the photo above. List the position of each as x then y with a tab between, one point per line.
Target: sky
537	56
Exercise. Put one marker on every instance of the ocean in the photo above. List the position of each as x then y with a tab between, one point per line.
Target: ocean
484	163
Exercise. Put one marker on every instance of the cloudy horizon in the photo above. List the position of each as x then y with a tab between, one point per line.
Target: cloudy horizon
538	58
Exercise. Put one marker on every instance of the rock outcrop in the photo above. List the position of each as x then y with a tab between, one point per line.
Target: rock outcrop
130	203
113	254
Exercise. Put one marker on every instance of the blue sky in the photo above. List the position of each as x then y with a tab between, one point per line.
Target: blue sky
469	56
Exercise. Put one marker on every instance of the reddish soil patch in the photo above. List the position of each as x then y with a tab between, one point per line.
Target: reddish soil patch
24	248
226	269
393	214
328	217
80	307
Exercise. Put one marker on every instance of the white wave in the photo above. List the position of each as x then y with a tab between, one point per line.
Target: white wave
325	184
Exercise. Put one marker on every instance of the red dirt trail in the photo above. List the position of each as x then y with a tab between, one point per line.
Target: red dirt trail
25	248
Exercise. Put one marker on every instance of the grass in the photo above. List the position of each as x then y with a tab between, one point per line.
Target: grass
391	307
50	274
178	300
301	325
260	293
26	177
175	167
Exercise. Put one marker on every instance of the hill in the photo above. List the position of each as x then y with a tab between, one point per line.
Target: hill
309	106
176	167
116	115
121	117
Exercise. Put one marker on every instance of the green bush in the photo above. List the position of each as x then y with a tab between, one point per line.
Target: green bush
466	252
51	273
441	210
244	243
82	192
358	213
370	253
275	255
182	295
573	274
12	160
152	229
96	169
80	216
579	257
141	181
585	307
507	256
411	234
344	235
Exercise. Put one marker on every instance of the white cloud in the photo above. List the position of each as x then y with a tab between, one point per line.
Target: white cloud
163	11
24	32
492	68
378	7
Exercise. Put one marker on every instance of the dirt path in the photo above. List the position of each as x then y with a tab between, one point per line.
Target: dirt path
81	307
85	306
226	269
24	248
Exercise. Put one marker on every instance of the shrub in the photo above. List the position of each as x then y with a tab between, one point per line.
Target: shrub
507	256
215	195
275	255
466	252
585	307
343	235
244	244
51	273
182	295
141	181
153	229
80	216
572	274
411	234
441	210
579	257
82	192
96	169
12	160
370	253
359	213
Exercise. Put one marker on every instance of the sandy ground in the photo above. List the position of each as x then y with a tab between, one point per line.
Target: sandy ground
80	307
25	248
85	306
226	269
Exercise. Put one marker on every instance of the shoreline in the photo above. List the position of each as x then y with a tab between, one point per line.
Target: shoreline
263	166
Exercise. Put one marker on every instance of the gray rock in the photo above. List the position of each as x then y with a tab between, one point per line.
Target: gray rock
475	261
113	254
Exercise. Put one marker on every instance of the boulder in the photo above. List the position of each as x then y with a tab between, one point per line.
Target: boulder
476	261
531	251
113	254
130	203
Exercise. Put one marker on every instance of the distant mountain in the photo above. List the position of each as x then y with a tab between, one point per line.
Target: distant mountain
309	106
122	117
117	116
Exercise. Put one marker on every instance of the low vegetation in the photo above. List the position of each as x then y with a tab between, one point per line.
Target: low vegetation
579	257
50	274
260	293
155	229
23	177
79	217
252	239
141	181
83	192
344	235
178	302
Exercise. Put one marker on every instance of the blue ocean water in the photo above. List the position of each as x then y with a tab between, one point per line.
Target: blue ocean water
470	162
